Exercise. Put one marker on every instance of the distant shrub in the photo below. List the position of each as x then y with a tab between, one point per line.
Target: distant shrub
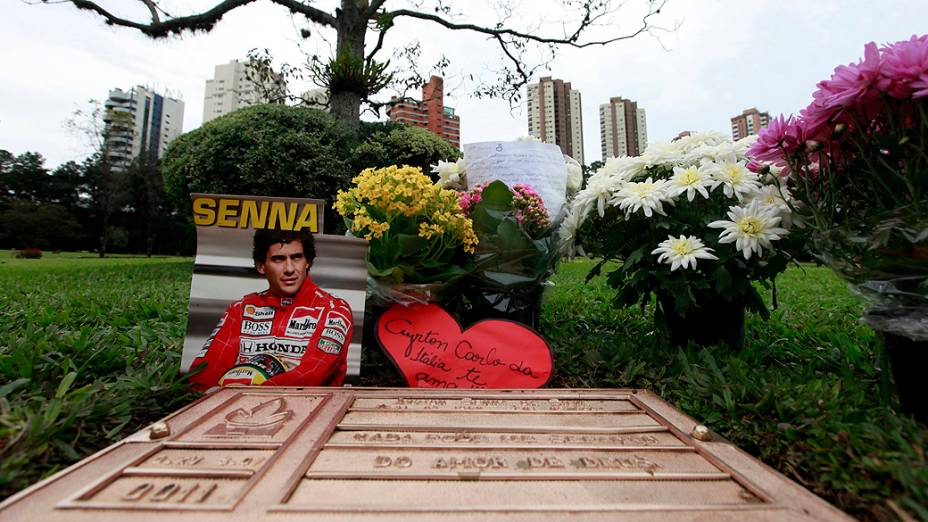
29	253
388	144
264	150
276	150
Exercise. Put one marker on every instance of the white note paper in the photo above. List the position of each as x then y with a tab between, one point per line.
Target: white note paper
540	165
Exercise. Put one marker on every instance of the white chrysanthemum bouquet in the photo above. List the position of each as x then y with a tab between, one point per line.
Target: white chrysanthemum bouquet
689	222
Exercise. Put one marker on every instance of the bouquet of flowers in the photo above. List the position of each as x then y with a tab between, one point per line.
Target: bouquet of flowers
690	223
418	233
516	254
856	160
518	245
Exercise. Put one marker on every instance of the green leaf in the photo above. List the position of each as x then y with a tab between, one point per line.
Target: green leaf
10	387
65	384
496	195
635	256
595	271
411	244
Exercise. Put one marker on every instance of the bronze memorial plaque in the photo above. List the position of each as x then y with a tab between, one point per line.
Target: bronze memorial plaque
408	454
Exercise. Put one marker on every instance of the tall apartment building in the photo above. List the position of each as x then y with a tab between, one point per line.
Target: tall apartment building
750	121
623	128
231	89
140	121
555	115
430	113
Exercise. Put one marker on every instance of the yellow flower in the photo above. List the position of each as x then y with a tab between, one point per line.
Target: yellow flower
402	196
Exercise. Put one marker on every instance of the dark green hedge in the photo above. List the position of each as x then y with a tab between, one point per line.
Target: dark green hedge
275	150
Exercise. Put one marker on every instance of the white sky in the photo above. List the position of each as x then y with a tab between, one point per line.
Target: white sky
726	56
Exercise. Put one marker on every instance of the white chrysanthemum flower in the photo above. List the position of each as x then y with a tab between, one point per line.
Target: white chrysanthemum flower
691	180
568	231
751	228
745	143
682	251
663	154
574	175
725	152
624	168
736	180
598	191
778	198
646	196
687	144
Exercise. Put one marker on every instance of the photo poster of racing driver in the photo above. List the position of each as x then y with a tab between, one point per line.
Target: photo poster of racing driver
279	314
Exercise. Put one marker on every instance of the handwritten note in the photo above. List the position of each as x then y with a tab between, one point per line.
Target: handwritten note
430	350
540	165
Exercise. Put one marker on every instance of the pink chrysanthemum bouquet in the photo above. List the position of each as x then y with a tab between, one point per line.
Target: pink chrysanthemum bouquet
856	162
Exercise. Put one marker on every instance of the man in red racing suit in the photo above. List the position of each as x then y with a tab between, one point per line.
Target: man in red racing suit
304	328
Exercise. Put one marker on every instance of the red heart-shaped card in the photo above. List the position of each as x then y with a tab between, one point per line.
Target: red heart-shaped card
427	345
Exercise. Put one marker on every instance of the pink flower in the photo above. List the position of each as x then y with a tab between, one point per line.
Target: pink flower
904	63
769	144
922	85
854	84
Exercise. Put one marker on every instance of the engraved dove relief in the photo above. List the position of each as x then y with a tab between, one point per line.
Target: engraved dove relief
264	420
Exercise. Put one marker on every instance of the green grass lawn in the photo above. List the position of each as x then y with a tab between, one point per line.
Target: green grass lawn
89	351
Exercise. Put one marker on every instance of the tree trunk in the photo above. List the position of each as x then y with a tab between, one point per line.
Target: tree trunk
352	28
346	106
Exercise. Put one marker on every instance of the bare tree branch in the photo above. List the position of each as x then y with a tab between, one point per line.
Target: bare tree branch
374	7
316	15
153	9
572	40
203	21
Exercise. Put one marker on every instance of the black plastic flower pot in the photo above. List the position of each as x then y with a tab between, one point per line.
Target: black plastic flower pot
711	322
521	304
908	359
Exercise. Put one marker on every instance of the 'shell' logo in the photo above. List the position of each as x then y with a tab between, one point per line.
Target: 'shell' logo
258	313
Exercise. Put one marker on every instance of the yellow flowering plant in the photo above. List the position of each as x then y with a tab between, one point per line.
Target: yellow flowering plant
417	231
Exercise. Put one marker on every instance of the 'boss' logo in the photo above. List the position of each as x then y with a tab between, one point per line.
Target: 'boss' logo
256	328
334	334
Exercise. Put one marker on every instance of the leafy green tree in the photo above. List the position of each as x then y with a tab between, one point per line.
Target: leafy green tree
264	150
104	184
397	144
27	224
23	177
276	150
146	196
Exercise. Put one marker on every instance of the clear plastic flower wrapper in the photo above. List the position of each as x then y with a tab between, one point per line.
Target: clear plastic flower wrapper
419	240
856	160
885	258
517	252
383	292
